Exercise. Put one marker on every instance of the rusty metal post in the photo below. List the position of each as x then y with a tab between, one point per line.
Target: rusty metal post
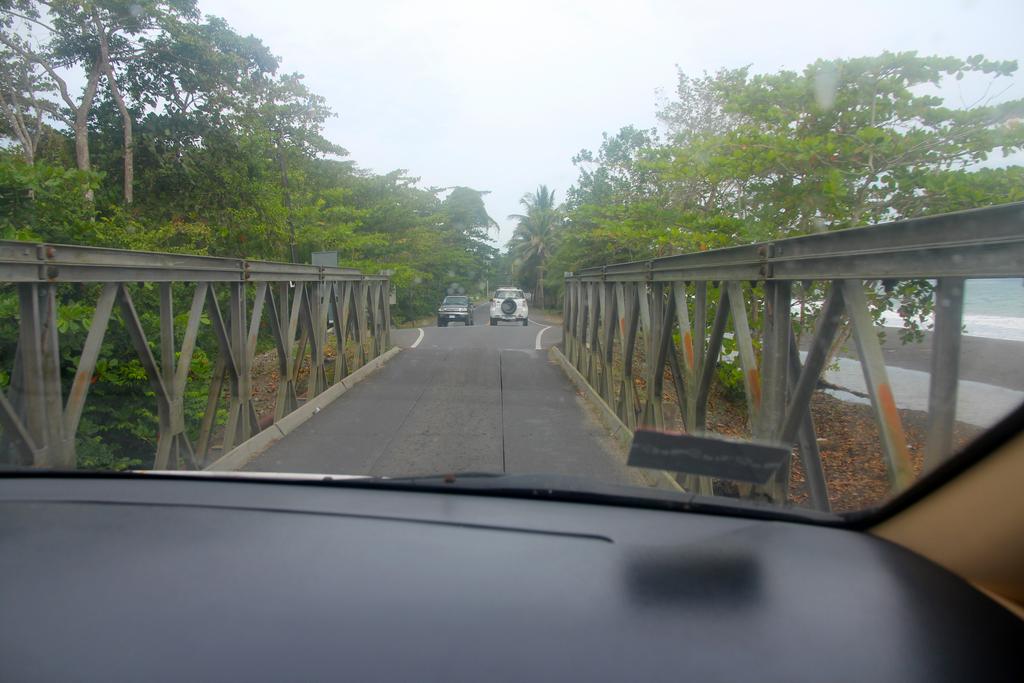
87	363
580	315
883	403
945	367
775	373
166	455
700	320
360	299
608	327
386	299
242	419
745	348
807	441
627	404
824	334
40	376
707	370
569	322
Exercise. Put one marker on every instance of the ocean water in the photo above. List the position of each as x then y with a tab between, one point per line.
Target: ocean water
1002	297
992	308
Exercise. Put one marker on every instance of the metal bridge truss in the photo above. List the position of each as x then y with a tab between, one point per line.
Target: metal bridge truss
42	406
663	309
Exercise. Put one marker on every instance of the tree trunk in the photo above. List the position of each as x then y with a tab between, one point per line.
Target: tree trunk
81	124
16	121
287	197
126	118
540	286
129	144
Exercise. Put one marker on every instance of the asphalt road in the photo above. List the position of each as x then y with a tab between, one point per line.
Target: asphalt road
456	399
999	362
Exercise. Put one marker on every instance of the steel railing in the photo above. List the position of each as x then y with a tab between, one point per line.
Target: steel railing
40	413
610	311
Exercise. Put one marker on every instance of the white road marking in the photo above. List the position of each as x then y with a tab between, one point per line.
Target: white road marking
418	339
537	344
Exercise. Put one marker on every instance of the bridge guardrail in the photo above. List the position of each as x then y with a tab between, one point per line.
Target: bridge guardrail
611	310
40	412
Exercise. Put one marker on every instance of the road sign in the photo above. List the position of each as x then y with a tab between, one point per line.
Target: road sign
325	258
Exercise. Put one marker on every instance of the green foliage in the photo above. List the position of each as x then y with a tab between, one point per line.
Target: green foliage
229	156
730	379
747	157
753	157
230	159
94	454
535	238
45	202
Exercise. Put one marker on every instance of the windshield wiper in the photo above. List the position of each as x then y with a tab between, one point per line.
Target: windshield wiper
551	487
568	488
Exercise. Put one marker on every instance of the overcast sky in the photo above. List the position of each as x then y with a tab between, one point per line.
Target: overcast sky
500	96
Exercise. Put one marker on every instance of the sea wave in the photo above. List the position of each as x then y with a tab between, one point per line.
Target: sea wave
990	326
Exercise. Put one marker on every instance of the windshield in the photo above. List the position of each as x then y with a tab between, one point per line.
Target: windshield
795	225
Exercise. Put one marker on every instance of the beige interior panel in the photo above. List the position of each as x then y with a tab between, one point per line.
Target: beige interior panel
974	525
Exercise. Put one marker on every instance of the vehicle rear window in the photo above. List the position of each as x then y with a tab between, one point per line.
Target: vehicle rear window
509	294
461	300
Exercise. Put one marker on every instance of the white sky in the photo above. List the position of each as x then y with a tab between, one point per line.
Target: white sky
500	97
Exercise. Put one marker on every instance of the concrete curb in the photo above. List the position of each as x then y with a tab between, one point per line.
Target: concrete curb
241	454
619	431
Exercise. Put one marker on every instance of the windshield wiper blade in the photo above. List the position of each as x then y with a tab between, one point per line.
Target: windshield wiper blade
552	487
568	488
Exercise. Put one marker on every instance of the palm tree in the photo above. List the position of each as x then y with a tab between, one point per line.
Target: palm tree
536	231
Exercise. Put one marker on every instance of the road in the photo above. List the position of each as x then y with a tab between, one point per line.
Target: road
991	375
456	399
987	361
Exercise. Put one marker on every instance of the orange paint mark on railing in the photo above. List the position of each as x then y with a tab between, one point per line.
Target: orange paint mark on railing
754	380
688	347
890	415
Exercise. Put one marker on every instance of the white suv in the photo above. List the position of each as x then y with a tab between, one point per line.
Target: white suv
509	304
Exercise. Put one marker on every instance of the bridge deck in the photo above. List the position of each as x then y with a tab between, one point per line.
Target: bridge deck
477	398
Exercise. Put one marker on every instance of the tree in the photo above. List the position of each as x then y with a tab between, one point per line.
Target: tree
19	20
468	226
751	157
755	157
102	37
856	141
294	116
201	148
112	33
535	235
699	107
24	99
626	206
185	138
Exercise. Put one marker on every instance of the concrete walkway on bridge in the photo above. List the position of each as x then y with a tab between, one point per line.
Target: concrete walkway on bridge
457	399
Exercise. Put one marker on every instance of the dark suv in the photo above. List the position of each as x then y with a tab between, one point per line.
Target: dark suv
455	308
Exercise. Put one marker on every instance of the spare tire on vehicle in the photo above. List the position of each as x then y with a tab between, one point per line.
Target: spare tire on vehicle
508	306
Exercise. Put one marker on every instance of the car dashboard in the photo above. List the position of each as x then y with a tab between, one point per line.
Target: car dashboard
204	579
